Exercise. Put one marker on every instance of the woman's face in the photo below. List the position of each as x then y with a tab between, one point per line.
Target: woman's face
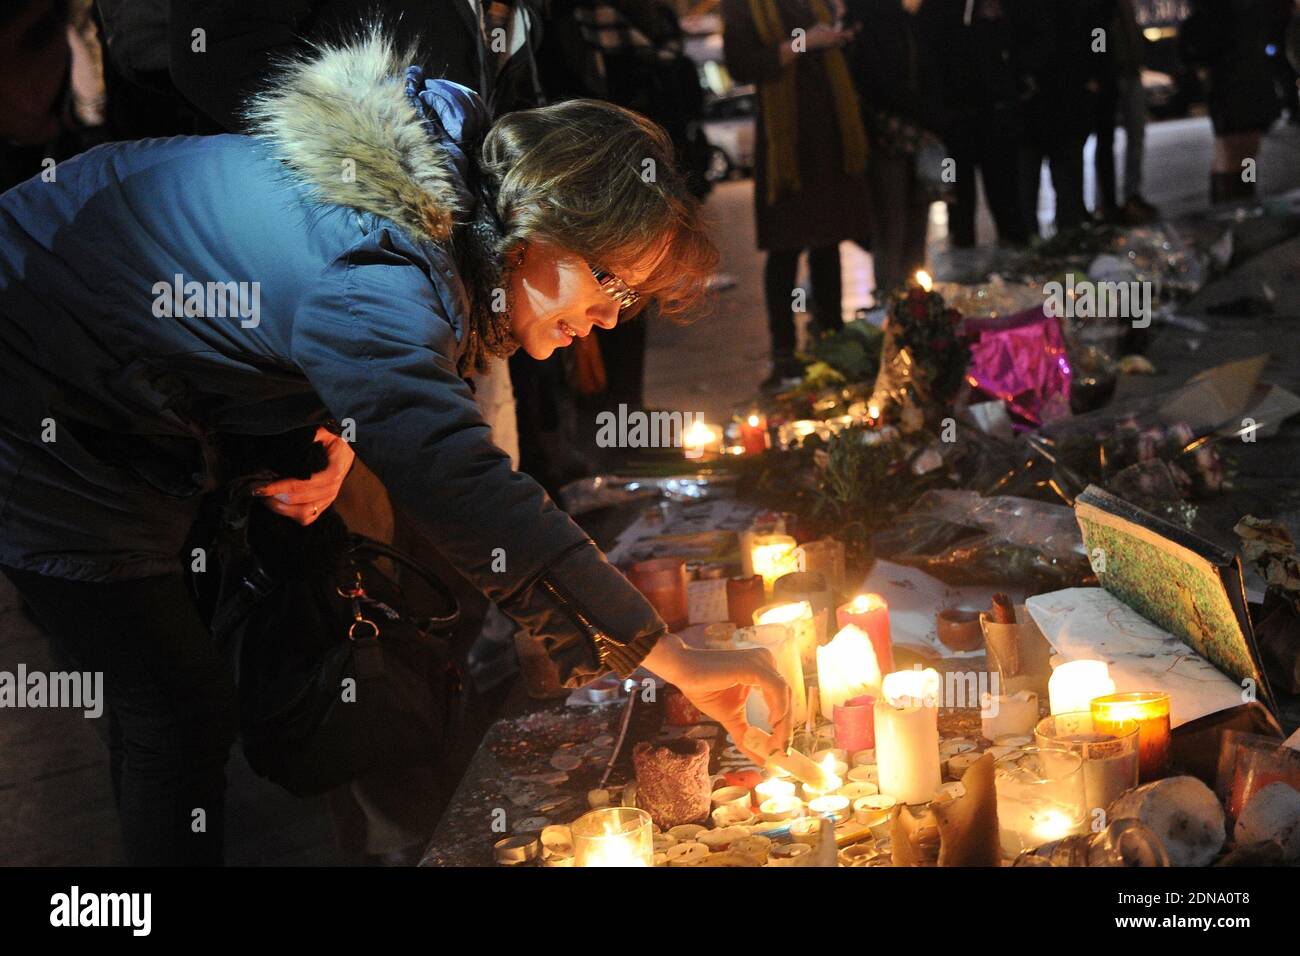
555	299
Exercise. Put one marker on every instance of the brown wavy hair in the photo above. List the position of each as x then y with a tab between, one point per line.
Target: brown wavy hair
600	181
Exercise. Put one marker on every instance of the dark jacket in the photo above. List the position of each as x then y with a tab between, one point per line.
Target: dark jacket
832	205
1230	38
244	39
336	224
893	64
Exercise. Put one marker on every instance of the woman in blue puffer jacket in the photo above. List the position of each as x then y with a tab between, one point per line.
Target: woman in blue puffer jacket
353	261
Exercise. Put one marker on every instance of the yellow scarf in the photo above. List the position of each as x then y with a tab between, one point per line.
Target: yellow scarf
780	96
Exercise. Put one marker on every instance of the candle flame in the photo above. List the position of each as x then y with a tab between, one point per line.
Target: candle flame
753	421
698	434
866	602
923	280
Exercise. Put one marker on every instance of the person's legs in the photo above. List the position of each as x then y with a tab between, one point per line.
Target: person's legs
961	208
827	287
170	695
1066	162
778	290
890	207
1133	109
1103	161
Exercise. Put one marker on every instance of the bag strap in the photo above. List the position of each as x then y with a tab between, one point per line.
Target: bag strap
362	545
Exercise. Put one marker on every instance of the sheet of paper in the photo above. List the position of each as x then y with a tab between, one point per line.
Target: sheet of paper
1092	623
706	600
915	599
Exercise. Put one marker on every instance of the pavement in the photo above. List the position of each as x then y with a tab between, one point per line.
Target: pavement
54	792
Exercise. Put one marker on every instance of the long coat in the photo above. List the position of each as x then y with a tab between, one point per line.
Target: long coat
832	205
316	281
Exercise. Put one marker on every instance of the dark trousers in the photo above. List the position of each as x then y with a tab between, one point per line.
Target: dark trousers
1104	156
900	213
778	289
989	143
171	713
1064	155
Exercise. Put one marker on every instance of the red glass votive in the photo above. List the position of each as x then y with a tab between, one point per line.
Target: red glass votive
744	597
663	582
855	724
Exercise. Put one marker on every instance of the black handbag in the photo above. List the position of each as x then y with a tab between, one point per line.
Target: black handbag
337	676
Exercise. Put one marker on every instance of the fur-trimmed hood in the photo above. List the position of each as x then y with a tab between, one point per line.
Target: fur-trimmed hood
365	130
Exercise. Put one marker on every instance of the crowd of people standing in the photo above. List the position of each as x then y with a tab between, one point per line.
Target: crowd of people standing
870	109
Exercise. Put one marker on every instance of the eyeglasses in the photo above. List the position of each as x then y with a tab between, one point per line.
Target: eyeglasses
616	288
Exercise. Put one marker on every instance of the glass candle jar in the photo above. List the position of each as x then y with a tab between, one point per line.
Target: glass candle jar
613	836
1040	797
1151	711
1110	755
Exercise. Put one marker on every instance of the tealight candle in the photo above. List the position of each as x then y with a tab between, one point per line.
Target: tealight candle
1151	711
846	668
773	787
874	810
855	789
730	797
1074	684
832	806
907	735
870	613
780	808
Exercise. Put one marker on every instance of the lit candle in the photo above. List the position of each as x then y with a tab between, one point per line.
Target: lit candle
871	614
791	762
775	809
613	836
753	434
773	787
783	637
923	280
798	617
907	735
1151	711
1074	684
832	806
773	555
846	668
700	439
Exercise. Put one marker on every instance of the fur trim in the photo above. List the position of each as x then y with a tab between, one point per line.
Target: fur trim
347	103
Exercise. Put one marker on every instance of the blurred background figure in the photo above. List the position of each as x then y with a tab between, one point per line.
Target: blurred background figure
810	187
980	48
51	91
897	79
1234	42
1064	80
1120	91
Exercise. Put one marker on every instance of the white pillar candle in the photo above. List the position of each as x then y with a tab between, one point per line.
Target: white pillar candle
782	638
846	668
798	617
907	735
1074	684
1009	714
773	556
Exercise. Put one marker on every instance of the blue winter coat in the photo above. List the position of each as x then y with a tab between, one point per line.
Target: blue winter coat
326	290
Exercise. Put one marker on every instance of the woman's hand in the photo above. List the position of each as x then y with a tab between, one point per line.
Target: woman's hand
718	682
304	500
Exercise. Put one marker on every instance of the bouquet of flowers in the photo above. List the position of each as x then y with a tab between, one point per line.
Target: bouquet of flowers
923	361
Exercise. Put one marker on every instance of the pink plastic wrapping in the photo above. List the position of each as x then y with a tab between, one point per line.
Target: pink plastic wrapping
1021	359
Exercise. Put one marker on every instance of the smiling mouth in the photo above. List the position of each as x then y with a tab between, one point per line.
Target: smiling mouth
568	330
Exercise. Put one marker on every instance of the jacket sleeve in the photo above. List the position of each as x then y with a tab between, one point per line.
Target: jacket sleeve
375	342
747	58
